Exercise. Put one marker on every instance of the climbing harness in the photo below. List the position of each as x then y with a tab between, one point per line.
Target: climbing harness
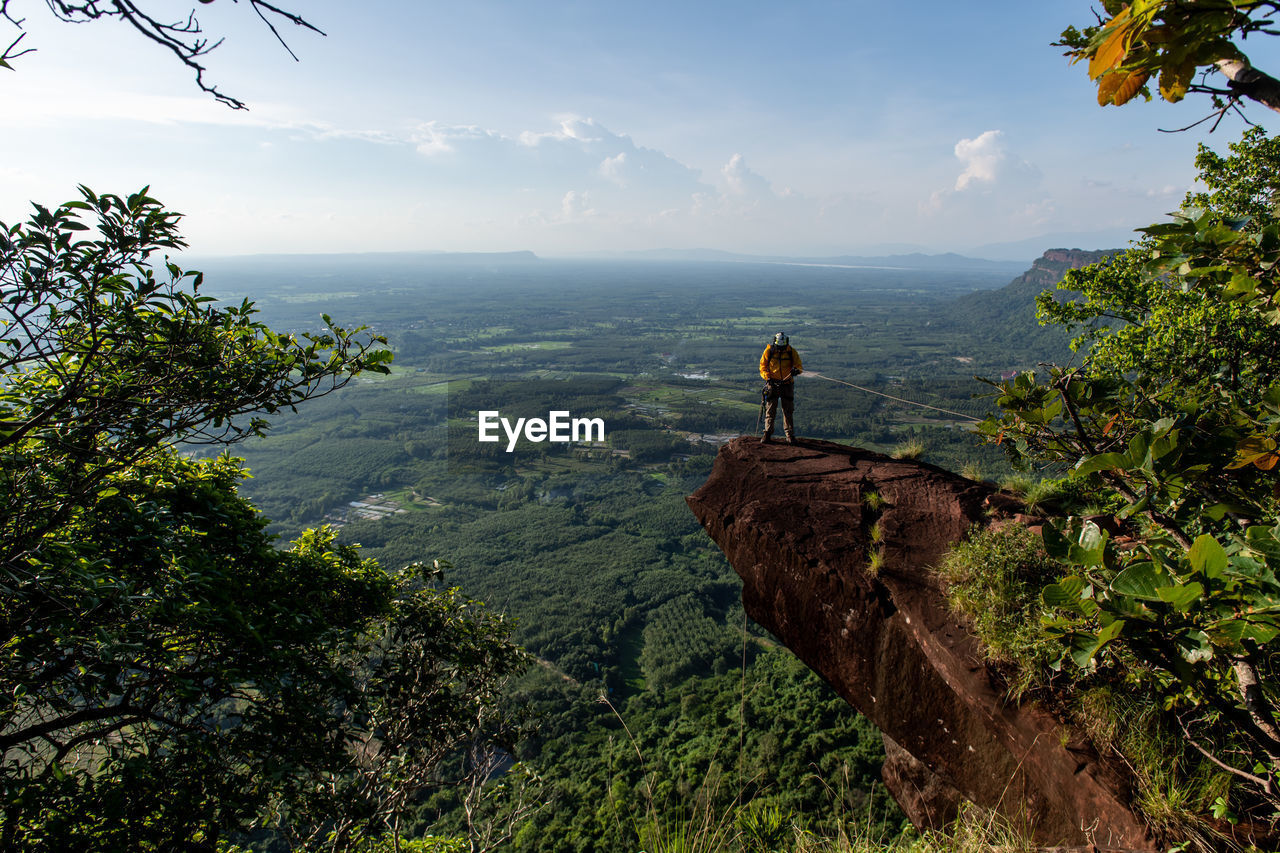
764	397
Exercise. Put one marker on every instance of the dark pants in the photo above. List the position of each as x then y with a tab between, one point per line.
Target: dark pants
786	392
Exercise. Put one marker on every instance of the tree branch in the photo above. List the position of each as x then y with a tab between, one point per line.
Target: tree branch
1257	706
1247	81
184	39
86	715
1264	784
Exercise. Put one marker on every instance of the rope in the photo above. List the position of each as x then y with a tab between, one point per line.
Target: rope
891	397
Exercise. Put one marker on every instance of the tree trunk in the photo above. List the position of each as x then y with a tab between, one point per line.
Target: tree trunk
1249	82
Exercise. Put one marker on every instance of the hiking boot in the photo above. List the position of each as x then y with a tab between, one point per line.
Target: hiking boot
791	439
768	439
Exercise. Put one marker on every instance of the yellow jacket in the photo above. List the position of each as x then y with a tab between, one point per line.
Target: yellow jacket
779	362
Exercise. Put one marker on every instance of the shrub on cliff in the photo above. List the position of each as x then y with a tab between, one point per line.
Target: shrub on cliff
994	578
1175	412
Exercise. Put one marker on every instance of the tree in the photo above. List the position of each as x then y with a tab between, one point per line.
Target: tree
170	677
431	678
108	358
1173	41
171	673
184	38
1173	414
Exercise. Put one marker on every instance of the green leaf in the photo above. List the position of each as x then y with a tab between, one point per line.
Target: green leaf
1054	595
1055	544
1262	540
1136	507
1181	596
1197	647
1141	580
1219	511
1241	285
1139	447
1092	546
1207	556
1083	648
1243	629
1110	632
1101	462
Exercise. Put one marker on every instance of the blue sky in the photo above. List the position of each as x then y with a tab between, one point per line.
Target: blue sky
566	127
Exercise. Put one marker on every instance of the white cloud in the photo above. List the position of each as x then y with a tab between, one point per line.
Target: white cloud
430	139
576	206
614	169
585	130
981	157
742	182
935	202
567	185
433	138
995	189
48	105
987	168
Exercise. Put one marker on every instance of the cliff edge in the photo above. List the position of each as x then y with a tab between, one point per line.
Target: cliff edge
796	523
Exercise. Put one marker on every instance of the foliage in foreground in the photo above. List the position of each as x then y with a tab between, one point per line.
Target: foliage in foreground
170	678
1180	45
995	580
1174	413
751	829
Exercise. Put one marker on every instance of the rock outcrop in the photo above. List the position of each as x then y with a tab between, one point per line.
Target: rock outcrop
1004	319
796	523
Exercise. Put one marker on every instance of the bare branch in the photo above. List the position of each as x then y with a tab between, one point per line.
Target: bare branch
9	51
1264	784
259	5
185	39
1216	114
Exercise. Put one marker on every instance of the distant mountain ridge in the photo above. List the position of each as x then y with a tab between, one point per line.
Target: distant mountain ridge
914	260
312	258
1028	248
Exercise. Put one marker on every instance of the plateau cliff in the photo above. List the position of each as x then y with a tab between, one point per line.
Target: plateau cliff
1015	303
835	547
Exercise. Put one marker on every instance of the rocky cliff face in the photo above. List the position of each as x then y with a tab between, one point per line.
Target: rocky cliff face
1005	319
796	524
1048	269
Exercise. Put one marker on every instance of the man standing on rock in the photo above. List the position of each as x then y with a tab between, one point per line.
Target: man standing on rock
779	366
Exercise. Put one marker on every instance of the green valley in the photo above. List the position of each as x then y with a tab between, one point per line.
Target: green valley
653	695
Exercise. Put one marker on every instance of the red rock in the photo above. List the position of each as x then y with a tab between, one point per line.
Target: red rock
795	523
926	798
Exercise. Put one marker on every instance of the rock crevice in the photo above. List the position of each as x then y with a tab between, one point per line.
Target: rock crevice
868	613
